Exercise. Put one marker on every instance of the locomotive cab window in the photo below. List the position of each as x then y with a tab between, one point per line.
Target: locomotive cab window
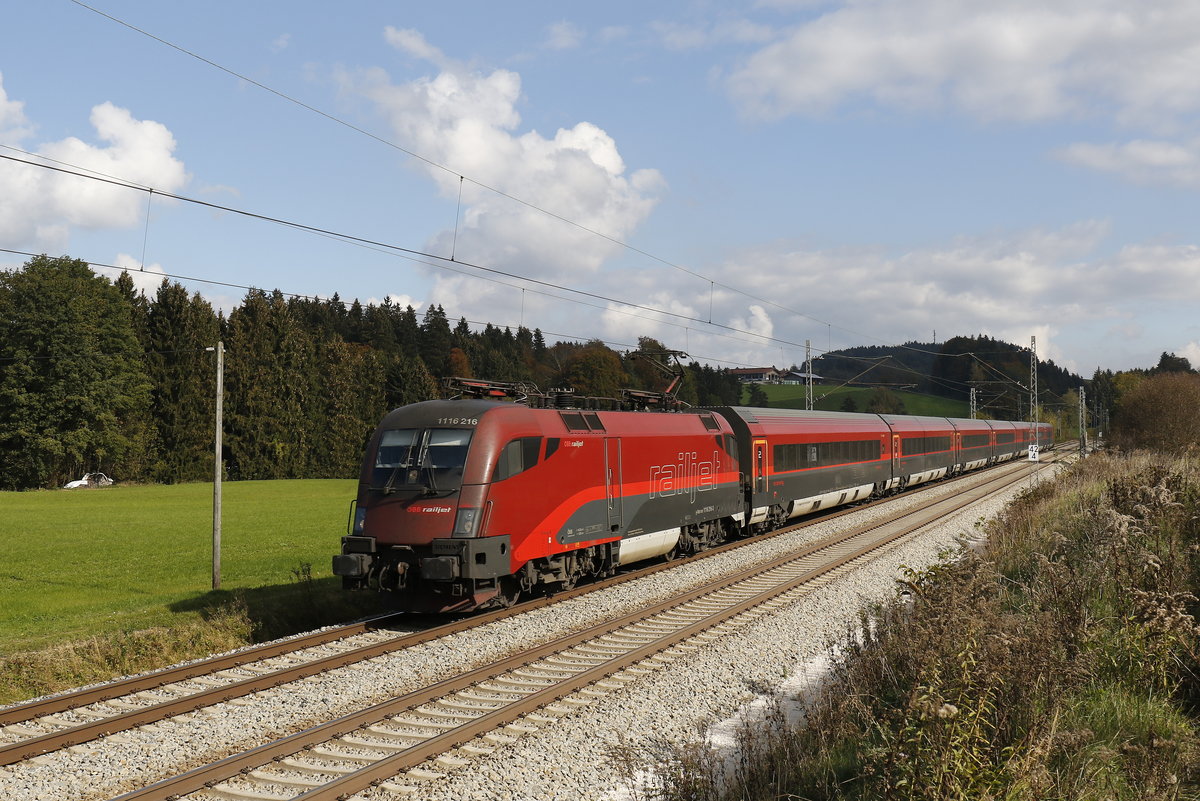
431	460
444	458
517	457
396	448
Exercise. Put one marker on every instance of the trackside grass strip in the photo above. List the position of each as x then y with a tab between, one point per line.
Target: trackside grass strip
95	583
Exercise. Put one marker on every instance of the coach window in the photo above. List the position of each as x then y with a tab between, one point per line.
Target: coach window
517	457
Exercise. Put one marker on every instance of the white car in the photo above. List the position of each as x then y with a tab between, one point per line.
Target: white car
89	481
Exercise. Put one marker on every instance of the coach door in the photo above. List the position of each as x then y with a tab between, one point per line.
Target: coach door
895	455
612	482
760	466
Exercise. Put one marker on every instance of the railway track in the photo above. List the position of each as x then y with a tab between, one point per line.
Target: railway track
405	741
70	719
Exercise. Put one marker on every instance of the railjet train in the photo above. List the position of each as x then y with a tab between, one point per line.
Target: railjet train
470	503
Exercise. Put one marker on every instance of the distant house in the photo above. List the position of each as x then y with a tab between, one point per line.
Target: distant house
758	375
793	377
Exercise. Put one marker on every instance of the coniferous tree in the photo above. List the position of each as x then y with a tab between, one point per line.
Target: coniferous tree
406	330
269	373
73	390
1170	363
337	317
353	391
378	329
139	306
183	374
409	381
354	323
436	340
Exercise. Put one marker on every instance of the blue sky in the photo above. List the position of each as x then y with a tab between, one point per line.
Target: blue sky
849	173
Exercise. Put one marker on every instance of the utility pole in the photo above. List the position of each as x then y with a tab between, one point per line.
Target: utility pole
974	408
1033	380
217	467
808	389
1082	421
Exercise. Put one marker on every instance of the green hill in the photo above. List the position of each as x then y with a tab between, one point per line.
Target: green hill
791	396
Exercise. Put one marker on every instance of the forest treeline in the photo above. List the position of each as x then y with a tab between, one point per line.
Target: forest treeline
96	376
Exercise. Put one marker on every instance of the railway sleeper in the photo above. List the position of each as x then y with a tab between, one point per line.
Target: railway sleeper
367	745
246	794
287	781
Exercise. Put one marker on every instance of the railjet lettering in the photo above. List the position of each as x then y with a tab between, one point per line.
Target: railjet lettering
687	476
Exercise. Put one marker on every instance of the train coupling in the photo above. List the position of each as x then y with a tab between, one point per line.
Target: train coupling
355	559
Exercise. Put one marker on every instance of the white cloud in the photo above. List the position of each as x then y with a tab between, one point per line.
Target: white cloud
691	36
1141	161
1043	283
613	33
413	43
1007	59
563	36
281	43
399	301
677	36
145	280
14	127
792	5
468	121
39	207
757	322
1191	351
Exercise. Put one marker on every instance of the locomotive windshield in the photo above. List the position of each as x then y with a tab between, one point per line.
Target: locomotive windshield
428	460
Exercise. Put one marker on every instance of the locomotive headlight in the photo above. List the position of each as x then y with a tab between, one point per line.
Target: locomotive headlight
466	522
360	517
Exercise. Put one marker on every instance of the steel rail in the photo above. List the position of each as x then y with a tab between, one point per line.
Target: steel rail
63	702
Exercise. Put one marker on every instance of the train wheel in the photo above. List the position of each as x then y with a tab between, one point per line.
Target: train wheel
508	593
571	572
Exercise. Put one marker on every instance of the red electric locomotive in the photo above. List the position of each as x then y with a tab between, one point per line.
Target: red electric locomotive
467	503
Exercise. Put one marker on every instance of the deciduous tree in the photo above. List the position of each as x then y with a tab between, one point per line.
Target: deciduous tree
1160	413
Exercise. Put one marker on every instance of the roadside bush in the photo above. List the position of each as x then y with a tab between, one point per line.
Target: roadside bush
1161	413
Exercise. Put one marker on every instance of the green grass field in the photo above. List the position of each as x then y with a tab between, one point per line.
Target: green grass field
82	563
791	396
